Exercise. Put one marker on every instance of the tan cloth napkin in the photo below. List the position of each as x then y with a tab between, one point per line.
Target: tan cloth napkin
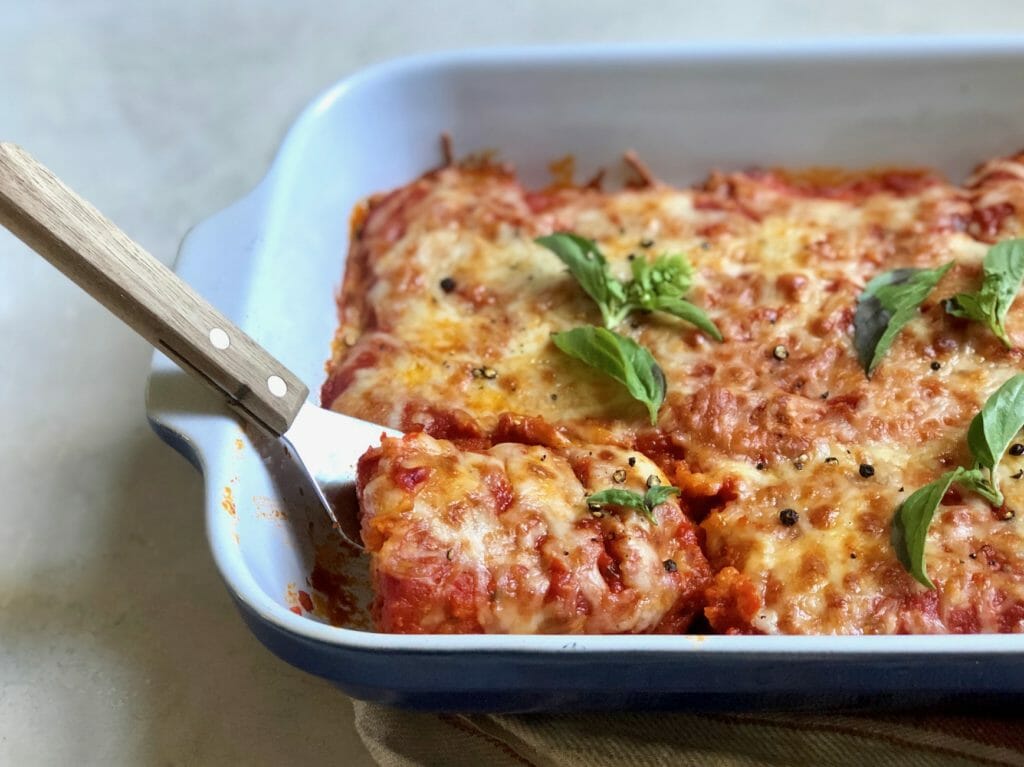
402	739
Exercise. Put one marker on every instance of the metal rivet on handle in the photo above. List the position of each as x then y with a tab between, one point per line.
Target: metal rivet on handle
277	386
219	339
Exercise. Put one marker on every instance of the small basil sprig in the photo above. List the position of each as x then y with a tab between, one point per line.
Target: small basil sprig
644	504
1003	273
988	436
655	287
619	357
992	430
889	302
914	516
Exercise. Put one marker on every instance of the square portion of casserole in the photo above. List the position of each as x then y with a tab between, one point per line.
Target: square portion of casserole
789	460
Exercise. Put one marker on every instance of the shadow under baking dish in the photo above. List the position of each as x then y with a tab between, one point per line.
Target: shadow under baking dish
270	262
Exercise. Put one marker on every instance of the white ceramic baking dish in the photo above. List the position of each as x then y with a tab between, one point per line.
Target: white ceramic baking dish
273	261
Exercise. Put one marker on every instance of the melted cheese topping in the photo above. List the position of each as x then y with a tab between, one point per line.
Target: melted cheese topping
494	541
780	260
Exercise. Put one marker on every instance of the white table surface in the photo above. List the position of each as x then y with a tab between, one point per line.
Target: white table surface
118	643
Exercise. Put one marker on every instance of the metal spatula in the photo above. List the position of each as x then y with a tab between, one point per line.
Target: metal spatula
73	236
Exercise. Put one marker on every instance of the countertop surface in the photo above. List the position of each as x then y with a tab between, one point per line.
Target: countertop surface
118	642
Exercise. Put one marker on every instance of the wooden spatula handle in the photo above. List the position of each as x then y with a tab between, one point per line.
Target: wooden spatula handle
149	297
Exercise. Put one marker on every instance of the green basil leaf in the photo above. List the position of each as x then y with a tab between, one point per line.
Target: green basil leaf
659	286
626	499
590	269
914	517
1004	272
910	525
658	494
643	504
656	286
668	275
978	307
641	283
1000	420
887	304
693	314
619	357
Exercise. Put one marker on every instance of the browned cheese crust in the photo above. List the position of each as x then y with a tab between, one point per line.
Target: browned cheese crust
780	260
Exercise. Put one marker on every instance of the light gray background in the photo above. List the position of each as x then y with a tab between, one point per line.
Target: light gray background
118	643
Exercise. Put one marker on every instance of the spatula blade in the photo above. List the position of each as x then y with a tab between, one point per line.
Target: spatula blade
327	445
